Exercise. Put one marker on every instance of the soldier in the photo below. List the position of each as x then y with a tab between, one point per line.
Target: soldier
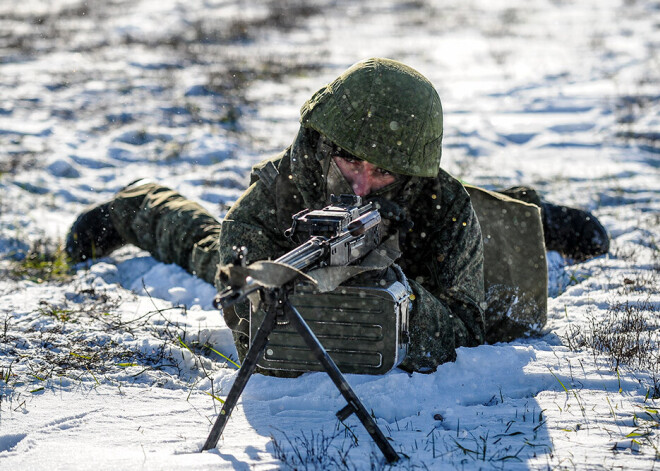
474	259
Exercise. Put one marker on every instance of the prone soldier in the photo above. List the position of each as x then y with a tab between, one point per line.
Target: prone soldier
473	260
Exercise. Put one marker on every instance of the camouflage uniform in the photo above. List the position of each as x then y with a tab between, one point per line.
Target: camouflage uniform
442	255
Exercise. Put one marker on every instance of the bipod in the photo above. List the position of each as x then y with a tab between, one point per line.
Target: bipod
353	406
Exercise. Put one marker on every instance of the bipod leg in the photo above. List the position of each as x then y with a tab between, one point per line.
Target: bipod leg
354	403
246	370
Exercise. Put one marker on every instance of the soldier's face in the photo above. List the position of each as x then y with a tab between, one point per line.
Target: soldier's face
364	177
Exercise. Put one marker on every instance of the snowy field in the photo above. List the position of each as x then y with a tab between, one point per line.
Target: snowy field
119	366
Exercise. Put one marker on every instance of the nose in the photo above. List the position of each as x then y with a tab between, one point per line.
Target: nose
362	182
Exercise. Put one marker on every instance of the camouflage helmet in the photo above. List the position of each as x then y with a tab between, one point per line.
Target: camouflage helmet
384	112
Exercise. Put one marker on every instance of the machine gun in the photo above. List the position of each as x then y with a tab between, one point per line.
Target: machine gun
340	234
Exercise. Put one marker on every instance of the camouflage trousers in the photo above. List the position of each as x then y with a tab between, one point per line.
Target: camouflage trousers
176	230
170	227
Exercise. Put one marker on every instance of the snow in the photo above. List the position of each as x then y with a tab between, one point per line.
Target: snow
118	366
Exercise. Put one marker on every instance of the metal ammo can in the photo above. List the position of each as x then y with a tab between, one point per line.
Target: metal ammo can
363	329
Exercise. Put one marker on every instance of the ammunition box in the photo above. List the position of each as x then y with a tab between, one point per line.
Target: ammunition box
363	329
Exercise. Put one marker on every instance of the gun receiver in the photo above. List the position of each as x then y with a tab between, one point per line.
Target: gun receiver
339	234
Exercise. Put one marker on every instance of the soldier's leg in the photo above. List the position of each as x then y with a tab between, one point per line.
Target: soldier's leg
155	218
93	235
572	232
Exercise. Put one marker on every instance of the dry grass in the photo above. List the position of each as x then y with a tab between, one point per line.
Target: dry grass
629	335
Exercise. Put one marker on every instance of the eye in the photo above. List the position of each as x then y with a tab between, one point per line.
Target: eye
385	173
349	158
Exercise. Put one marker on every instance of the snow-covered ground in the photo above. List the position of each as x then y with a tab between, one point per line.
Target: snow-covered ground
119	366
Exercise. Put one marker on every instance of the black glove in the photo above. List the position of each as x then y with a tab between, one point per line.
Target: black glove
392	212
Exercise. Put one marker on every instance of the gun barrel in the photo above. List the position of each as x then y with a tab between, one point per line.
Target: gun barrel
305	255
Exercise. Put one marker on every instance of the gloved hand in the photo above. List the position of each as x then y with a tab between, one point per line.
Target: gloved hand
395	216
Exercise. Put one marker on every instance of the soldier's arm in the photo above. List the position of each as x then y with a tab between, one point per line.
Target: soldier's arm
446	275
252	223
